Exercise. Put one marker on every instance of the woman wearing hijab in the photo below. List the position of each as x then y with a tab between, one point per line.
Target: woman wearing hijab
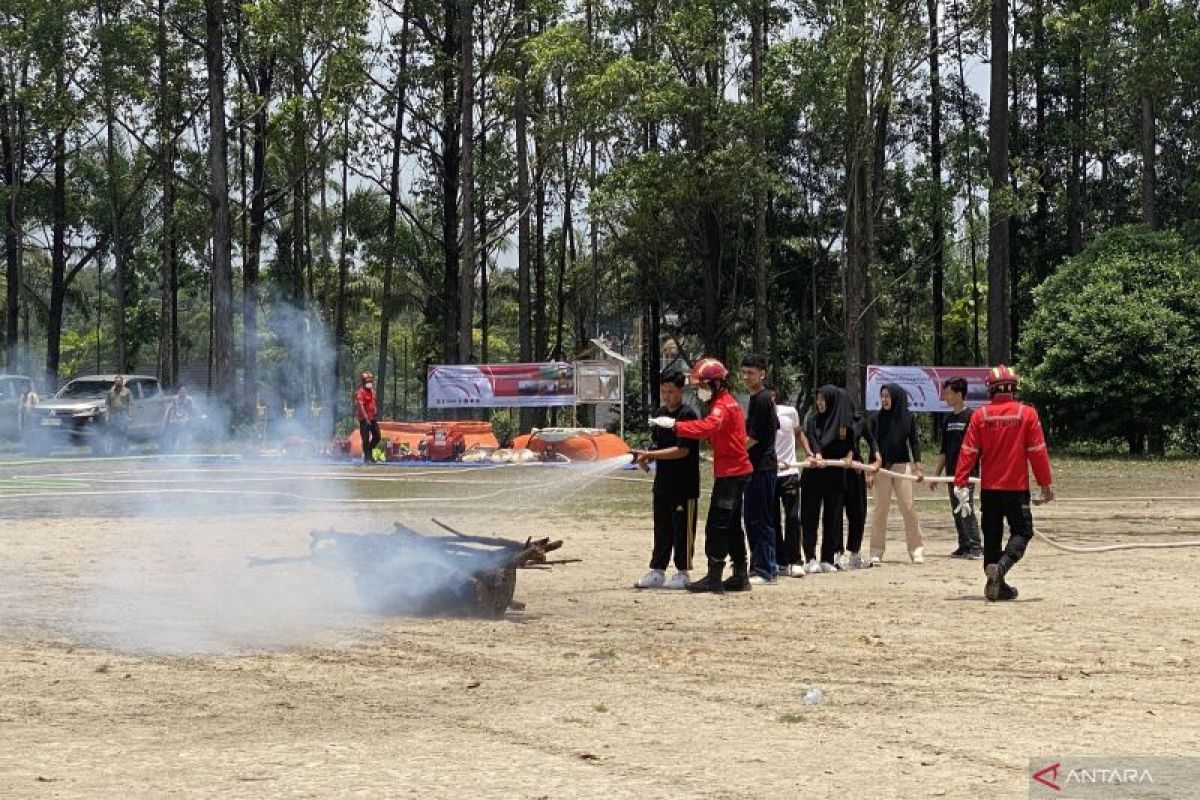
857	483
895	431
832	437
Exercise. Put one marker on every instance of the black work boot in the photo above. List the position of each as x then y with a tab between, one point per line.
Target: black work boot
739	581
710	582
996	589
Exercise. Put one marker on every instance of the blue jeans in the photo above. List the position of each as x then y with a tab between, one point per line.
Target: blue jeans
760	522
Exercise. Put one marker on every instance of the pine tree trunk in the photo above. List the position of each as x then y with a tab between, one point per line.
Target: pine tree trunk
758	21
1075	137
390	255
481	214
449	179
222	272
260	81
521	113
466	266
937	221
1041	254
113	200
343	274
1149	124
12	228
168	341
858	211
998	216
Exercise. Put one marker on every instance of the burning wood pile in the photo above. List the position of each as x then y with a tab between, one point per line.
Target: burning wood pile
408	573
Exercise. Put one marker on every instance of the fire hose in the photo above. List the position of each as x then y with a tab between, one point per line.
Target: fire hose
1037	500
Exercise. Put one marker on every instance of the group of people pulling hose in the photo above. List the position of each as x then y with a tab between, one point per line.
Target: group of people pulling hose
846	452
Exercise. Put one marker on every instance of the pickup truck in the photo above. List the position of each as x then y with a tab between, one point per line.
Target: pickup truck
13	391
76	415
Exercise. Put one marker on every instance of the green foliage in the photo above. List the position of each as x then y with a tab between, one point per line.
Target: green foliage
1113	346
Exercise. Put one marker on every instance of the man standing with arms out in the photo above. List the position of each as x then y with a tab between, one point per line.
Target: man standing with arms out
788	441
761	425
725	429
676	489
954	392
367	414
1009	436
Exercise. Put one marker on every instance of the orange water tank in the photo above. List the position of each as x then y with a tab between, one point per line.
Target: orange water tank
575	444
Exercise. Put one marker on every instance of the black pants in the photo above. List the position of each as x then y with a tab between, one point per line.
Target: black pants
967	527
824	495
674	530
996	507
856	509
787	526
723	537
369	432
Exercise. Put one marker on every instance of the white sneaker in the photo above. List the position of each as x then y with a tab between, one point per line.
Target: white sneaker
876	560
794	571
826	567
679	580
813	568
654	579
759	580
855	561
918	555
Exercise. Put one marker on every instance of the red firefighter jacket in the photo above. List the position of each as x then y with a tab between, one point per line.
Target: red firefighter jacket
725	429
1004	436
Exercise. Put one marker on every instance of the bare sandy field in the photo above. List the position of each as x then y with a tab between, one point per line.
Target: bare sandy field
141	657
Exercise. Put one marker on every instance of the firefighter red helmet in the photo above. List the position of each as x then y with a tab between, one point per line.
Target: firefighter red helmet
367	377
708	369
1002	379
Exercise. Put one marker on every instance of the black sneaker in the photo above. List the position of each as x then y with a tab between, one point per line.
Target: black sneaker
1007	592
710	582
961	552
739	581
975	554
706	584
995	580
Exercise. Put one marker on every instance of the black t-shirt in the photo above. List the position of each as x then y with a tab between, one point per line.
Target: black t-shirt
676	478
761	424
953	432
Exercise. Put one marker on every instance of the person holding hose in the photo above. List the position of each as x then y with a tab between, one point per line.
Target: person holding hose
725	429
1006	438
895	431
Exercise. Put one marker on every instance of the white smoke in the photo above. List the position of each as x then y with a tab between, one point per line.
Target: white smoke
169	568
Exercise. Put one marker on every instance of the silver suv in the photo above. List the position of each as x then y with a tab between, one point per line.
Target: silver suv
76	415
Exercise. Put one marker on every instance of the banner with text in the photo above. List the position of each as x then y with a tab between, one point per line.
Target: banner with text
924	385
501	385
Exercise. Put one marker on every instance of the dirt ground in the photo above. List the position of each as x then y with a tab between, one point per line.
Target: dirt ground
140	657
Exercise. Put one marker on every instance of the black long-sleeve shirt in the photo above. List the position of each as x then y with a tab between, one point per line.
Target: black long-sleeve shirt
899	449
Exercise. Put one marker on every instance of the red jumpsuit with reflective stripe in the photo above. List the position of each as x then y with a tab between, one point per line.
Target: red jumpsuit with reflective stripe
1006	436
725	429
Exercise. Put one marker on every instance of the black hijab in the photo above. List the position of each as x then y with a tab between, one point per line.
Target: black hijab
893	425
839	413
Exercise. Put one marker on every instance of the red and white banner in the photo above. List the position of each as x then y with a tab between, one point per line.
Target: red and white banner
501	385
924	385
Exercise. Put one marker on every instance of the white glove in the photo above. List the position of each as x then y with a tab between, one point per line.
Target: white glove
963	509
663	422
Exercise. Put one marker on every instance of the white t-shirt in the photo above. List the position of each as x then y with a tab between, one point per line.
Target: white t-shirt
785	437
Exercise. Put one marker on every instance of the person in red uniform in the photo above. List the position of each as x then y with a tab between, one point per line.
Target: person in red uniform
367	414
725	430
1008	437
